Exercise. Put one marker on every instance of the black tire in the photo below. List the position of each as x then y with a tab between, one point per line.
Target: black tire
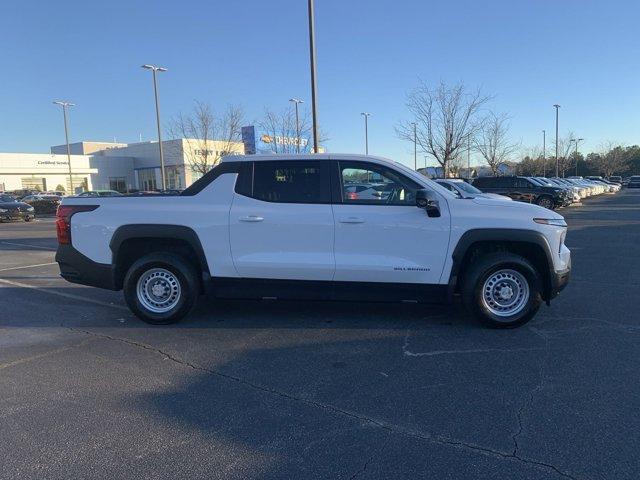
27	219
545	201
484	268
181	272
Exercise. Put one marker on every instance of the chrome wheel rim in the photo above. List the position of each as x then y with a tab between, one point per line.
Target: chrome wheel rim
505	293
158	290
546	203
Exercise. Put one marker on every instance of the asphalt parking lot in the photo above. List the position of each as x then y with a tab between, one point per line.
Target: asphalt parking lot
323	390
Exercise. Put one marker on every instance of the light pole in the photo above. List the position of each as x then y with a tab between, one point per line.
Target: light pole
577	140
415	146
312	61
557	107
469	158
297	101
366	132
154	70
64	106
544	153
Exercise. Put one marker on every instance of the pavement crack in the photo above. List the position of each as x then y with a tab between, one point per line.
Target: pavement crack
363	419
528	403
434	353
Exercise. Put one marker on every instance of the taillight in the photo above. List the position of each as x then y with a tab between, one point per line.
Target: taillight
63	220
352	196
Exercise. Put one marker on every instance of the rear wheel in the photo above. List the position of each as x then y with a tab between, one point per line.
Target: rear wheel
161	288
502	290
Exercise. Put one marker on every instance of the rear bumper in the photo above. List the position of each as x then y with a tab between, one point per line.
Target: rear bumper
77	268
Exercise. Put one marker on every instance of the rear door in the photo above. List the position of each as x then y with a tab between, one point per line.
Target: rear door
386	238
281	221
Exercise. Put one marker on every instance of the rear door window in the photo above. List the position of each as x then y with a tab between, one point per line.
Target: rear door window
305	181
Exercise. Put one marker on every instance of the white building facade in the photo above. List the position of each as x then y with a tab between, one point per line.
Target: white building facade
113	166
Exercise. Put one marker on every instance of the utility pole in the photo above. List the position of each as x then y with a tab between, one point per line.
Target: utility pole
312	58
366	132
297	101
64	106
557	107
155	69
415	146
577	140
544	153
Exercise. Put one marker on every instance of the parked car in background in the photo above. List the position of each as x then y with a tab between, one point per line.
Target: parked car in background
523	189
464	189
99	193
575	197
43	204
615	179
12	209
634	181
581	191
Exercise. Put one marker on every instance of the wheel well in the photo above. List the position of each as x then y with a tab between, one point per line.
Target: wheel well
132	249
531	251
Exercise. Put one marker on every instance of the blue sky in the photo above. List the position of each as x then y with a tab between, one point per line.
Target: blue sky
529	54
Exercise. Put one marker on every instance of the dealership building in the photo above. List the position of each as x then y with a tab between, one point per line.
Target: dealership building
132	166
112	166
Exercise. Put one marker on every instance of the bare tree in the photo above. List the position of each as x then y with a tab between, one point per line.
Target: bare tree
610	159
565	149
208	137
492	141
446	120
281	134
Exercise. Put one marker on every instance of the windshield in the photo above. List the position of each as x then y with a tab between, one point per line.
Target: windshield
536	181
467	188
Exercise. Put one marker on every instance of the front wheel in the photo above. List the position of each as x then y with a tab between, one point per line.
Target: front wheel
546	202
161	288
502	290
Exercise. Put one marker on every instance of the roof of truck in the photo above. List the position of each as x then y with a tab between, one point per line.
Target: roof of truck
302	156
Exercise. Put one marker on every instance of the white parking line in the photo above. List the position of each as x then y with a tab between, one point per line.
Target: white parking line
28	245
62	294
28	266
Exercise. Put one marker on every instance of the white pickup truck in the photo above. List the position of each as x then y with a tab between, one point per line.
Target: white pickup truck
291	227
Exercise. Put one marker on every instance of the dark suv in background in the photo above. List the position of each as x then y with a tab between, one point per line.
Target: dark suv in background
523	189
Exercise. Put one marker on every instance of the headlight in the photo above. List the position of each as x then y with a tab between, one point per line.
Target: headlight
29	209
3	210
557	222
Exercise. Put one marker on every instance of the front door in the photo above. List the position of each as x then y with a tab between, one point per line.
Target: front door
281	221
381	236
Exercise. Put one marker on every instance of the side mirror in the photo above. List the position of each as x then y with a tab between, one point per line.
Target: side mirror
427	199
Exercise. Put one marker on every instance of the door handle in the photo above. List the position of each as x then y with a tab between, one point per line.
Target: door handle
352	220
251	218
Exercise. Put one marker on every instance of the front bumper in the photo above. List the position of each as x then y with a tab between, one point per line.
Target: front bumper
77	268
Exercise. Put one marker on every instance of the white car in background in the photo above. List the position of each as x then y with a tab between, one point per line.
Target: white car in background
465	190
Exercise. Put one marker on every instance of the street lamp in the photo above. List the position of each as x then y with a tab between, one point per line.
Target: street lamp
577	141
544	153
297	101
366	131
415	146
312	62
156	69
64	106
557	107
